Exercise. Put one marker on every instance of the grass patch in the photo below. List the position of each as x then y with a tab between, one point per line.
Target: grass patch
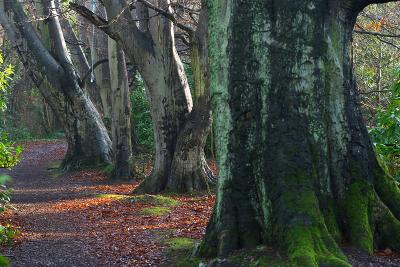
180	243
155	200
113	196
180	250
155	211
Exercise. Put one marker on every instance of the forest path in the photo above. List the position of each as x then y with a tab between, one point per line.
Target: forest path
74	220
49	238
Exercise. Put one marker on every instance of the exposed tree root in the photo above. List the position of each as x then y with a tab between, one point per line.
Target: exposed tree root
185	179
300	227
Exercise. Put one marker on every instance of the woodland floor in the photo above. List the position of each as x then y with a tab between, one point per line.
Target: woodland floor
76	219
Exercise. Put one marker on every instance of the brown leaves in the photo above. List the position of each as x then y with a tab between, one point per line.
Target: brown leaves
86	207
116	230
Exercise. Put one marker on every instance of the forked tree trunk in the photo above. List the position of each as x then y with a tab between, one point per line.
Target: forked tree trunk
88	142
170	104
120	112
151	47
189	169
297	170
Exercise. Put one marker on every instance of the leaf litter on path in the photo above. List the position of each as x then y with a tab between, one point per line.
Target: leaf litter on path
84	219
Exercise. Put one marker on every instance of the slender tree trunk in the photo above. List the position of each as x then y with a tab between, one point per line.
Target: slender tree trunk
297	170
102	75
121	111
88	142
98	43
82	64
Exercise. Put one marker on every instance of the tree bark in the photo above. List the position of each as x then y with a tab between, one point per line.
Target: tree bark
121	111
189	166
297	170
151	47
98	41
82	64
88	142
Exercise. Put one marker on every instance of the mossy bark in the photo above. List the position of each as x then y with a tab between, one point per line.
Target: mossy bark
297	170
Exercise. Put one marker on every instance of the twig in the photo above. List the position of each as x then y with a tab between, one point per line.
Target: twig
168	15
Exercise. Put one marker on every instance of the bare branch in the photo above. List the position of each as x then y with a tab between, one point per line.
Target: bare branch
168	15
94	19
377	34
95	65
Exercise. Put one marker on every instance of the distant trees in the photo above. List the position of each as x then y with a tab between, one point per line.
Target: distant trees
376	52
376	47
146	36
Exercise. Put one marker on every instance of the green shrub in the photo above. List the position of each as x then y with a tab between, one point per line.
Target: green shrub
141	116
9	157
386	134
18	133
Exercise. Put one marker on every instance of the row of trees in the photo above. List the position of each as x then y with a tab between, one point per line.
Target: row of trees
62	71
297	168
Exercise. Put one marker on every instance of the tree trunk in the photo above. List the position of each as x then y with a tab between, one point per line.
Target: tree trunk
151	47
297	170
121	111
189	168
170	104
98	42
102	75
82	64
88	142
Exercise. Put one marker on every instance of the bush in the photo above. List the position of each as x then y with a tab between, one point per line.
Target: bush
9	157
141	116
16	134
386	134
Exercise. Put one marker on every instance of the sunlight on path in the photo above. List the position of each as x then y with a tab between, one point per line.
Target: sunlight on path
78	219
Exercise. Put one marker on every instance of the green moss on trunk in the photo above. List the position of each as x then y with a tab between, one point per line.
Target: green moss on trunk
389	191
307	239
357	203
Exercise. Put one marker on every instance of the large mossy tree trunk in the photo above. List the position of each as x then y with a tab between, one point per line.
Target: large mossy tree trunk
88	142
297	170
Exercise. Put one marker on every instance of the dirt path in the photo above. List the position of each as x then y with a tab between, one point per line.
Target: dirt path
49	238
76	220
